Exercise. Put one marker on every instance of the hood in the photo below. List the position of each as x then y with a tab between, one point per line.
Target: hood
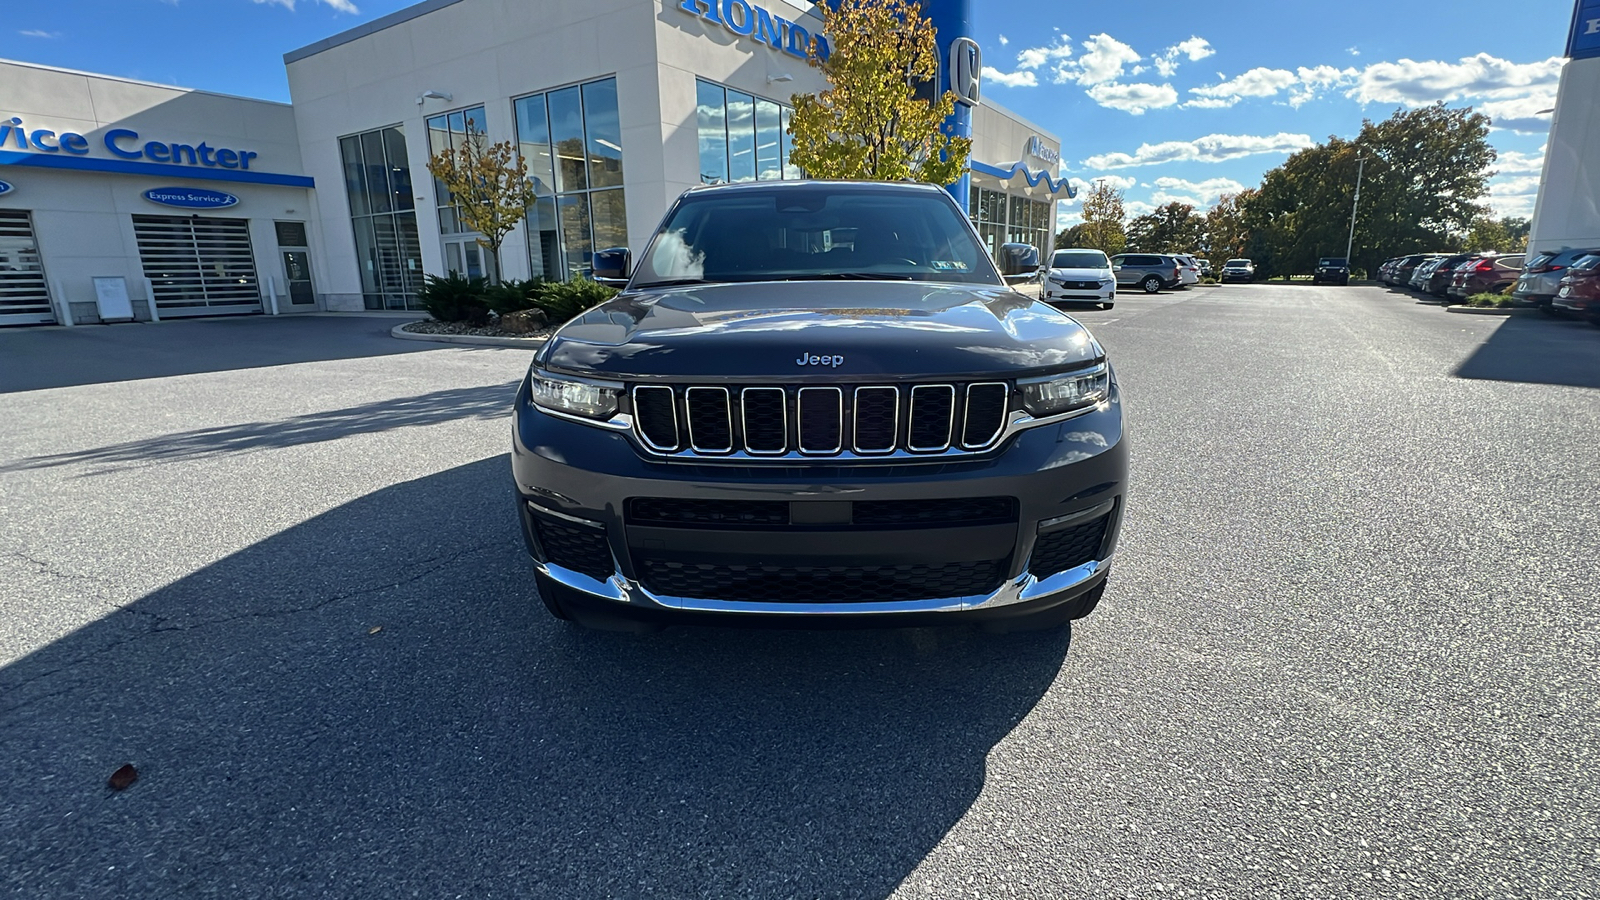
1086	274
823	331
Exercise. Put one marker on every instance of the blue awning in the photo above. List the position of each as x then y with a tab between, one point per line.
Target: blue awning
1055	185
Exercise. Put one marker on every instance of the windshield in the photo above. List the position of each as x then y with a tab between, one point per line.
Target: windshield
818	231
1237	262
1332	261
1079	259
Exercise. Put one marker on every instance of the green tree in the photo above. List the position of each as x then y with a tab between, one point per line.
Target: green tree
1227	233
1103	218
488	183
1173	228
1425	172
1507	235
870	124
1071	237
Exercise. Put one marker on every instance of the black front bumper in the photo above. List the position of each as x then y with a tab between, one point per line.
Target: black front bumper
1024	528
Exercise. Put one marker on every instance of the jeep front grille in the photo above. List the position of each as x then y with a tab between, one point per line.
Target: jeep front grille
771	421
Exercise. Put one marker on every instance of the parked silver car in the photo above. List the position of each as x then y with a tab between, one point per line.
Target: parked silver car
1541	276
1149	272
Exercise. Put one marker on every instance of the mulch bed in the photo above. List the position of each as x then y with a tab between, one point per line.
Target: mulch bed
429	326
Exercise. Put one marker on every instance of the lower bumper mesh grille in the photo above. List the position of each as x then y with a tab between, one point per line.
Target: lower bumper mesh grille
574	547
820	584
1068	548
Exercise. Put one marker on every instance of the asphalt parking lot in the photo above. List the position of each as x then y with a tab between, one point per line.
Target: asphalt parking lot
1349	648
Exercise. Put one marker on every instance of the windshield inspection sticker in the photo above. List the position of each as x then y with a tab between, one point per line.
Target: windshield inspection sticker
946	265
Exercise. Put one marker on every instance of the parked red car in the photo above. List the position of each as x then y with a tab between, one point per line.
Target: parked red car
1579	293
1485	275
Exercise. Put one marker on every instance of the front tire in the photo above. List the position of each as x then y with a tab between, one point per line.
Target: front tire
1151	285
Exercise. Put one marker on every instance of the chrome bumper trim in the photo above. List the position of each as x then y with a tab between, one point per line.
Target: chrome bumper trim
1023	589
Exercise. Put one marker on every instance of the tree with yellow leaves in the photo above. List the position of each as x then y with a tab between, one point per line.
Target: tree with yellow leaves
870	124
488	183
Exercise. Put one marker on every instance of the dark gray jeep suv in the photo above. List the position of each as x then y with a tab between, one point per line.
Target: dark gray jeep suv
819	401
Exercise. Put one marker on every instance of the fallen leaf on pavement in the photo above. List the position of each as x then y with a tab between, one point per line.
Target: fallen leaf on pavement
123	777
375	629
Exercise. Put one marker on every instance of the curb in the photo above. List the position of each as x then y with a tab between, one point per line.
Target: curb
470	339
1491	310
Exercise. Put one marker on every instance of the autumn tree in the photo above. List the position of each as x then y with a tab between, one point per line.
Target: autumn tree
1173	228
1425	172
1227	234
871	124
1103	218
489	185
1506	235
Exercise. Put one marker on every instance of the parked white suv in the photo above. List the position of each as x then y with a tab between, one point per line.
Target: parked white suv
1079	276
1188	269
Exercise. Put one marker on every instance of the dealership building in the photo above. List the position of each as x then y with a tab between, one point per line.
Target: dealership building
125	199
1567	213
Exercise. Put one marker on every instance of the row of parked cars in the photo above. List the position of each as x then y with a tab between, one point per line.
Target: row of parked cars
1559	282
1089	276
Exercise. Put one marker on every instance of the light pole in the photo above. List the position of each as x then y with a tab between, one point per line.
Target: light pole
1361	166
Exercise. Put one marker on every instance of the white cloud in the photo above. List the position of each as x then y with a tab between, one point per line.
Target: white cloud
1353	51
1514	196
1412	83
1526	114
1258	82
1211	148
38	33
1004	40
1134	98
1135	208
1120	182
1195	49
1034	57
344	6
1102	62
1195	193
1513	162
1009	79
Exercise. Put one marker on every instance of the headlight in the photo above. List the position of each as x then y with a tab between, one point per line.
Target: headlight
1063	393
580	398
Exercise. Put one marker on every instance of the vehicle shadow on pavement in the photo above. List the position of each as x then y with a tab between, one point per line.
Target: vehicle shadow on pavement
483	402
33	359
1538	350
373	704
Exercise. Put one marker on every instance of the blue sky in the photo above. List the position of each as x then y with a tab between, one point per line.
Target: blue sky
1171	105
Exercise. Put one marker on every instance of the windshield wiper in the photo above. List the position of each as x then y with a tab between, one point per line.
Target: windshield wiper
846	276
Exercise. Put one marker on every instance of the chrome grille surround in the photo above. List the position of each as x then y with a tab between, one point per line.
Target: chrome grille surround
966	413
647	391
690	397
800	420
745	396
938	392
894	428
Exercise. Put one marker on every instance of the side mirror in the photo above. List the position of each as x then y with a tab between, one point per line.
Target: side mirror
1018	262
612	266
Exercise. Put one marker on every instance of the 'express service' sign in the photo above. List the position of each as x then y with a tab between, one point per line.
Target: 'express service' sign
190	198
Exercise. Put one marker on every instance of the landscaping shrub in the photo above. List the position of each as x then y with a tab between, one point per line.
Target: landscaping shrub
1491	300
512	295
454	299
565	299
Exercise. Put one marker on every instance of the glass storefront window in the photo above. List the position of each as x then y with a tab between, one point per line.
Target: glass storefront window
566	132
769	146
572	139
383	217
1003	218
603	133
742	138
711	114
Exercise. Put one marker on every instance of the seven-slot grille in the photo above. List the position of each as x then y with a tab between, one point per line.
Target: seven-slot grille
775	421
1080	285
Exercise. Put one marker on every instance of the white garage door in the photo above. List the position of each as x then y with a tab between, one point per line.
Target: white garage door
24	294
198	266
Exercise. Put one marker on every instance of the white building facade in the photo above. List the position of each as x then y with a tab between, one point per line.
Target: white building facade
1567	212
617	106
